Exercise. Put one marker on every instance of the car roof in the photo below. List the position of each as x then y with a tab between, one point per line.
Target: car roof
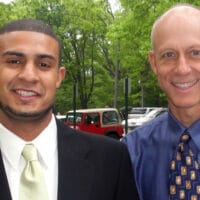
90	110
60	116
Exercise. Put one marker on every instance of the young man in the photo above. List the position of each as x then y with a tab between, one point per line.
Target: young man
75	165
175	60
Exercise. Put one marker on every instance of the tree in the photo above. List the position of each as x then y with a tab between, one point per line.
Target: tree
100	48
81	25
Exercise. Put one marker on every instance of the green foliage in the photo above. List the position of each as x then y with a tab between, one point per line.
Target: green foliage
100	48
5	10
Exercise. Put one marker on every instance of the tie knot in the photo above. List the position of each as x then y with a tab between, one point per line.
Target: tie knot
185	137
29	152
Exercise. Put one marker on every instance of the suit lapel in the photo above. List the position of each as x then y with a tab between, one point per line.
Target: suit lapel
4	187
75	172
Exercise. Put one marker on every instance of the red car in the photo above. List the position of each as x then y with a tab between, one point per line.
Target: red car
102	121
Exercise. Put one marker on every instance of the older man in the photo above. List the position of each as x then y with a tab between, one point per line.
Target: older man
165	152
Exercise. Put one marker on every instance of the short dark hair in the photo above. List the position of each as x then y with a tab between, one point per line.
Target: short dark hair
33	25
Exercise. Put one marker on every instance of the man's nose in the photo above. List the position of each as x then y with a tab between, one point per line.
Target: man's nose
29	72
183	66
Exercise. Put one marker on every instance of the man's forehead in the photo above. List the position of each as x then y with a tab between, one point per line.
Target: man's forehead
29	37
179	12
28	42
177	15
22	32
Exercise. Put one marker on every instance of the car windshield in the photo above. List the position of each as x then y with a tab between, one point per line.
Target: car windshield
152	113
70	117
155	112
110	117
137	111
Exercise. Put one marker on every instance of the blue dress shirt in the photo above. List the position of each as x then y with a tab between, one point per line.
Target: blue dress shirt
151	149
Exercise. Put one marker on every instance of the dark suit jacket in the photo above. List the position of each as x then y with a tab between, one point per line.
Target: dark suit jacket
90	167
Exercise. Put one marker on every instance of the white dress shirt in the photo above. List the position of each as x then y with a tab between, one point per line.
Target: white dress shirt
46	143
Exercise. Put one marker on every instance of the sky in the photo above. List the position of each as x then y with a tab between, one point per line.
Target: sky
114	4
5	1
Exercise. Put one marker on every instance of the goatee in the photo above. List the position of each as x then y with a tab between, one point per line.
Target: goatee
25	116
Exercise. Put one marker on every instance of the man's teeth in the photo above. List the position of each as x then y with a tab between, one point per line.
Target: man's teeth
26	93
185	85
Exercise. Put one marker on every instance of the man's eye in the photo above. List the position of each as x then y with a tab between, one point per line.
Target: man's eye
195	52
12	61
44	65
168	55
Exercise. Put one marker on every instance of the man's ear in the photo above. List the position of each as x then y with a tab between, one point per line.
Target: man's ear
61	76
151	57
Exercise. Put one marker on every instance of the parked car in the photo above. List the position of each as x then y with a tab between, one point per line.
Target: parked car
102	121
135	122
61	117
137	112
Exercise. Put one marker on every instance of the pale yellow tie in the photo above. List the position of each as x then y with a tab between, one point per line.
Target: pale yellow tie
32	183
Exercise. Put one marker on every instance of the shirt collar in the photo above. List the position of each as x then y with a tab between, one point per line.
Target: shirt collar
175	125
179	129
194	131
46	144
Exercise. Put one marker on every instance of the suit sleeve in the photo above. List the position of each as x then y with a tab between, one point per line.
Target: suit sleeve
126	183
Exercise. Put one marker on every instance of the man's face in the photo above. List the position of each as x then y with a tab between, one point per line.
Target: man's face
176	60
29	74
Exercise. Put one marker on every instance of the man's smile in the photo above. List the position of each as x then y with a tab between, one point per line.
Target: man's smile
185	85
